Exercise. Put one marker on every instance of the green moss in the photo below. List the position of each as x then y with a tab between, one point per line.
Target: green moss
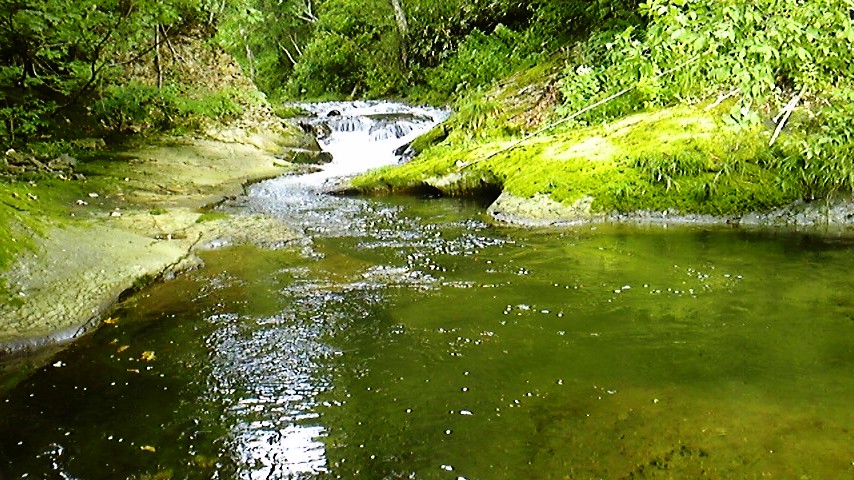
433	137
681	158
142	282
26	207
211	216
285	110
29	204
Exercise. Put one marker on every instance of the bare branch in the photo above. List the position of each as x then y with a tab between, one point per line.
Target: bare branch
784	115
296	47
721	98
305	13
288	53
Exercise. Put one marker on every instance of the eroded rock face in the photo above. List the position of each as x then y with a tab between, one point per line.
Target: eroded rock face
61	290
835	216
833	213
151	227
150	230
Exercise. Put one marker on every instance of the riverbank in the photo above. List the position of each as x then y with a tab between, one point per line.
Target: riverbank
689	164
135	216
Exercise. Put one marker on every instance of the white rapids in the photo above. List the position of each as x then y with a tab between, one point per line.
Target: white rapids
365	135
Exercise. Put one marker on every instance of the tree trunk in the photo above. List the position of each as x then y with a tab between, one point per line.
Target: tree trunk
403	29
250	58
158	67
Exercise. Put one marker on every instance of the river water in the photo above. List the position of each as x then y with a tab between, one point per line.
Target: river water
409	338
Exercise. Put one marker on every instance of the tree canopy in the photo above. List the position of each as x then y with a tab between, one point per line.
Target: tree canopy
57	57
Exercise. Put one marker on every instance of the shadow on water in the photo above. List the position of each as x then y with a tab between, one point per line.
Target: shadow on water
410	338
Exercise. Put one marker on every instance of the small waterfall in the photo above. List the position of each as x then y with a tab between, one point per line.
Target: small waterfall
364	135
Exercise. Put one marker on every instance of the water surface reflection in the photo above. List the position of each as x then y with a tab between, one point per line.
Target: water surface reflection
410	338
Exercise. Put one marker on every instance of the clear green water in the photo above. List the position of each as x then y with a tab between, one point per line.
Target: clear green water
421	343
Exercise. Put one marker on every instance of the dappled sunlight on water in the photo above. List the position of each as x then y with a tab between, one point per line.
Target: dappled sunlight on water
410	338
453	349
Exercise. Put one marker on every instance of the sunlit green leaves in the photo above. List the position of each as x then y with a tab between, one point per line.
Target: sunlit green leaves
55	52
765	48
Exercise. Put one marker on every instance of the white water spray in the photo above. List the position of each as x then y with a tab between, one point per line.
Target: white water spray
365	135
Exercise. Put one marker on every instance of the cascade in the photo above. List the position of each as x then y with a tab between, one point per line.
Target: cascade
364	135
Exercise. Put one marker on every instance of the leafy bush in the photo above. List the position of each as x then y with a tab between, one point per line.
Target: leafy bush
763	47
327	66
56	55
19	121
139	106
821	160
479	60
766	48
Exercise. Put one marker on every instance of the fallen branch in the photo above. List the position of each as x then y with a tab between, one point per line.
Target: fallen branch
578	113
721	99
784	115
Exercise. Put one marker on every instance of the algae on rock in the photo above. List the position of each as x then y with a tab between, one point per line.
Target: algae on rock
683	159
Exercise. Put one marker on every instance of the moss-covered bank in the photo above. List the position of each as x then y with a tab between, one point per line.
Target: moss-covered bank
689	160
72	247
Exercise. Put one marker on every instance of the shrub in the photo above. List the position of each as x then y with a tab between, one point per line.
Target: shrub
479	60
328	65
767	49
139	106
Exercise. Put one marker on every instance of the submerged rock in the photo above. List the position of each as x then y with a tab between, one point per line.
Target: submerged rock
540	210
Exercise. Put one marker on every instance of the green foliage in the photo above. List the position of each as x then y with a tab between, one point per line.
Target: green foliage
565	20
137	106
55	54
24	120
354	51
338	48
267	37
327	67
477	115
437	28
478	61
767	49
762	47
820	158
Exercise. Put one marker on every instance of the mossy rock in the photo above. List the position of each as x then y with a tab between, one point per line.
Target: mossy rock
434	136
310	157
683	159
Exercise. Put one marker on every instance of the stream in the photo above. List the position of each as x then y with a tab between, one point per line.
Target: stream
411	338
